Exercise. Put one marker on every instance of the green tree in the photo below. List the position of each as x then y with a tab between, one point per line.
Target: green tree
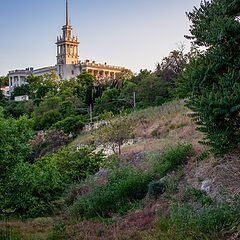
87	81
212	79
108	101
172	67
21	90
72	124
39	86
70	90
2	99
14	109
116	132
49	118
4	80
14	144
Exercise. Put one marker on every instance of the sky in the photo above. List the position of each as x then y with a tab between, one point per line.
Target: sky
135	34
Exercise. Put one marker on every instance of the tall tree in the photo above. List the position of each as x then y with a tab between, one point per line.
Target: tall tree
212	79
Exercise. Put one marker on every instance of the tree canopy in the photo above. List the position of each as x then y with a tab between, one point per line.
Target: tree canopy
212	79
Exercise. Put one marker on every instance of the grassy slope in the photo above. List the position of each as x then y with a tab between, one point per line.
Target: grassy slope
162	126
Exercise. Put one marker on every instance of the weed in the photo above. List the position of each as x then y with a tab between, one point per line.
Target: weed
171	159
182	124
166	124
124	185
172	182
154	133
214	164
131	207
197	195
155	188
202	156
58	233
194	221
199	179
10	233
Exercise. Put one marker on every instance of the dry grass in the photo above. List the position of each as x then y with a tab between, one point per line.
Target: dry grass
160	127
83	138
125	228
38	228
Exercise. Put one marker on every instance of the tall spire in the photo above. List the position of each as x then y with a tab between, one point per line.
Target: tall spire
66	12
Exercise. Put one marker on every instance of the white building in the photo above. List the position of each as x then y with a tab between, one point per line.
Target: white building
68	64
5	91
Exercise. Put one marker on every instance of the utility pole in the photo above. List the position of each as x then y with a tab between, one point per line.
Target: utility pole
134	101
91	113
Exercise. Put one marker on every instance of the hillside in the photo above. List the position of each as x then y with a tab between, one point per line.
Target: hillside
161	146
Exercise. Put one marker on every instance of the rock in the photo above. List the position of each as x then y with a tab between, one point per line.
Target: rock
206	185
102	172
139	157
162	180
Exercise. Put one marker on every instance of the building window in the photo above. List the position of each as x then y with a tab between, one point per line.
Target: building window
72	72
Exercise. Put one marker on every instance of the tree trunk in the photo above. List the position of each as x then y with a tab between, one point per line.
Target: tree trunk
119	149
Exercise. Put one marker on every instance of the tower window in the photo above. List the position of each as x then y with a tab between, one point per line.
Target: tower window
72	72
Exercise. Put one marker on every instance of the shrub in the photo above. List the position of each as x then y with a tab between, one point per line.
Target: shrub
72	124
187	220
14	144
49	118
32	187
74	165
171	159
124	186
155	189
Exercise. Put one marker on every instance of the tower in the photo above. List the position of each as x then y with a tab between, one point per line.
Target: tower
67	51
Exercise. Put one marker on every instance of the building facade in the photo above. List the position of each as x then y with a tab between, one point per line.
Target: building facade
68	64
5	91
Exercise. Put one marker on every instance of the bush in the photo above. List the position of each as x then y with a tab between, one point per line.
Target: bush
32	188
170	160
124	186
72	124
155	189
15	109
74	165
187	220
14	144
49	118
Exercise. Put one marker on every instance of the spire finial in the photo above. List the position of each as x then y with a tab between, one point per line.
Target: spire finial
66	12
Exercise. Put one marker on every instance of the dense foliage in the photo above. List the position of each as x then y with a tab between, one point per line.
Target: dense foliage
29	185
124	186
212	79
14	144
203	218
31	188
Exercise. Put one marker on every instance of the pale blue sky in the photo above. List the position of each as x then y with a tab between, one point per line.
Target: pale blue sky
135	34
